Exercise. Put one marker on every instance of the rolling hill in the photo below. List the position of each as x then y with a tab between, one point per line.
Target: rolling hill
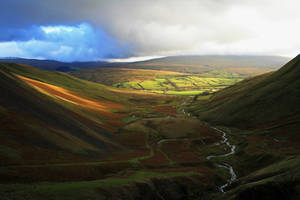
249	65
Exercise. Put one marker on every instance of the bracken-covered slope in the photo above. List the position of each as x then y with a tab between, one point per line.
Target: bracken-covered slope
265	99
40	125
52	117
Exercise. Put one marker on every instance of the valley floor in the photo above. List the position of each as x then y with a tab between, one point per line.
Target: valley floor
182	152
77	140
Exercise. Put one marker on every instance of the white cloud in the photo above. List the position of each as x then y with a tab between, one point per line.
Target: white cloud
10	49
207	26
65	43
56	29
132	59
166	27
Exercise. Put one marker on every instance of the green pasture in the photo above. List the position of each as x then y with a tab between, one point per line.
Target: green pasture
188	85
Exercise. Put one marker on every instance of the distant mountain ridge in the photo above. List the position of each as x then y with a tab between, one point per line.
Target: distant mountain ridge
219	60
189	64
55	65
201	63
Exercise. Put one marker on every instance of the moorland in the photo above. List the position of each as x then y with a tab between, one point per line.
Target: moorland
227	130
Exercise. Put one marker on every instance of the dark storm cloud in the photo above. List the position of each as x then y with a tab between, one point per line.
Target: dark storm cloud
164	27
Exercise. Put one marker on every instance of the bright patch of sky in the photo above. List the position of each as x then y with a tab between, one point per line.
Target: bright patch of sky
65	43
56	29
132	59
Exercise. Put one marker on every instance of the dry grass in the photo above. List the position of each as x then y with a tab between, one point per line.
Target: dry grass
69	96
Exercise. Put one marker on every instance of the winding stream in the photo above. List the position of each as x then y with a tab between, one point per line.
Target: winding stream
222	165
225	165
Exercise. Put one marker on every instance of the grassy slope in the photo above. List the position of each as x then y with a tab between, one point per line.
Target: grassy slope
34	122
257	101
88	89
280	180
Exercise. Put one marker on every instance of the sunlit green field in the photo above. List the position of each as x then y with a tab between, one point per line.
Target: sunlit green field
180	85
164	82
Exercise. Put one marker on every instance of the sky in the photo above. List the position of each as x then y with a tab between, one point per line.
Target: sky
84	30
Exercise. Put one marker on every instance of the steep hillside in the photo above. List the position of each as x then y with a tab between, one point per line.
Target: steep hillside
45	126
272	97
